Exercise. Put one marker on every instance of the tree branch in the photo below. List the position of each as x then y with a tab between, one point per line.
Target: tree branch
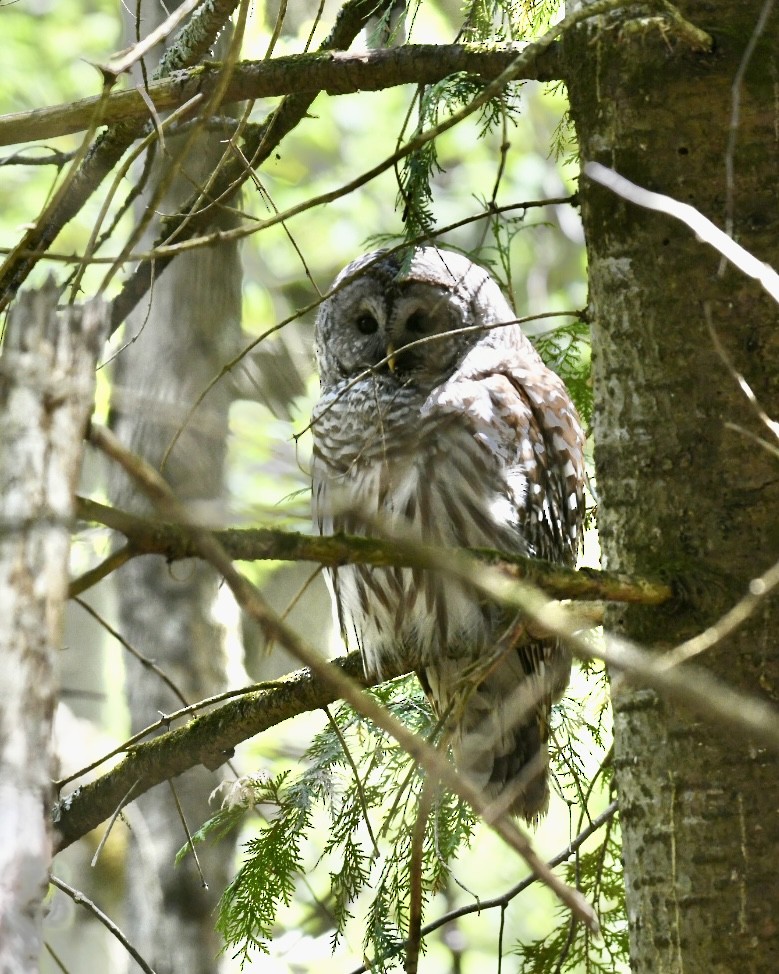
481	906
78	897
189	225
190	45
174	542
334	72
208	739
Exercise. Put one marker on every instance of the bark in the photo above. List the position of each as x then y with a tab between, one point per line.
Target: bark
179	340
46	396
682	492
335	72
149	536
169	615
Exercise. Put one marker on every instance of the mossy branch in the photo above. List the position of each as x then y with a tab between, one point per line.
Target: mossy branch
208	739
174	542
335	72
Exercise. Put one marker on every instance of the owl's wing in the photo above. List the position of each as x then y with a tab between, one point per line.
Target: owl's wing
522	415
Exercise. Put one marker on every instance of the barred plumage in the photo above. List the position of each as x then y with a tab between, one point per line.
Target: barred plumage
463	439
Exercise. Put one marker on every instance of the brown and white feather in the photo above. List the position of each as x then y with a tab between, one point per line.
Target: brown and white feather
468	441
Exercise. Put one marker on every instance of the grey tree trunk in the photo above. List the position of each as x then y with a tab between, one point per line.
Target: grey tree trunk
681	490
47	386
167	613
180	341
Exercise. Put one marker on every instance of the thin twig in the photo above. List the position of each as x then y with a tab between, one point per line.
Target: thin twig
190	841
502	901
357	781
150	255
55	957
735	119
144	660
125	798
771	425
417	875
128	746
759	588
110	564
694	219
120	63
78	897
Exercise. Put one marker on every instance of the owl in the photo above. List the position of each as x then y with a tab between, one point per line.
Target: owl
439	423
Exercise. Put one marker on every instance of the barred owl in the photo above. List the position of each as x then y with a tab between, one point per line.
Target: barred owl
438	422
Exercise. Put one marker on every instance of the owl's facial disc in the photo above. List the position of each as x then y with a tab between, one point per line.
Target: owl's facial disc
418	331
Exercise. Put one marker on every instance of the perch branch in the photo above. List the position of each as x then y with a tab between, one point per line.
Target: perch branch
174	542
209	738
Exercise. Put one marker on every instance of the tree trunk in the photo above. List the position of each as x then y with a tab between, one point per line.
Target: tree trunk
47	387
681	490
168	613
180	341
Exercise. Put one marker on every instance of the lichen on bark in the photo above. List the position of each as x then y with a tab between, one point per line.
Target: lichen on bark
679	485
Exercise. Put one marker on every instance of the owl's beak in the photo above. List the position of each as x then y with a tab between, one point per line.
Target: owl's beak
391	357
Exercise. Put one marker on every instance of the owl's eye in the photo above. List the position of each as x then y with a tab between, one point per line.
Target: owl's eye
418	323
367	325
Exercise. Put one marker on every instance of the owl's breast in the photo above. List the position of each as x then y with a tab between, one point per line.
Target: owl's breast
433	483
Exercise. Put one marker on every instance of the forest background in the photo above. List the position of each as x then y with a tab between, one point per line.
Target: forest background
504	181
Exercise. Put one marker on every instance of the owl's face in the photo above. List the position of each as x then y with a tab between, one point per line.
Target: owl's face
401	326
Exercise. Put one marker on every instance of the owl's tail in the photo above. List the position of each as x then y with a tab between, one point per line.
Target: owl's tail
500	725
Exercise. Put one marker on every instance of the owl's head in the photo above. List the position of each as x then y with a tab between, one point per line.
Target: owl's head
407	323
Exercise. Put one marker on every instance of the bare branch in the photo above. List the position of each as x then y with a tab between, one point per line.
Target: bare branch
188	224
504	899
689	686
191	44
123	61
695	220
759	588
78	897
142	659
208	739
